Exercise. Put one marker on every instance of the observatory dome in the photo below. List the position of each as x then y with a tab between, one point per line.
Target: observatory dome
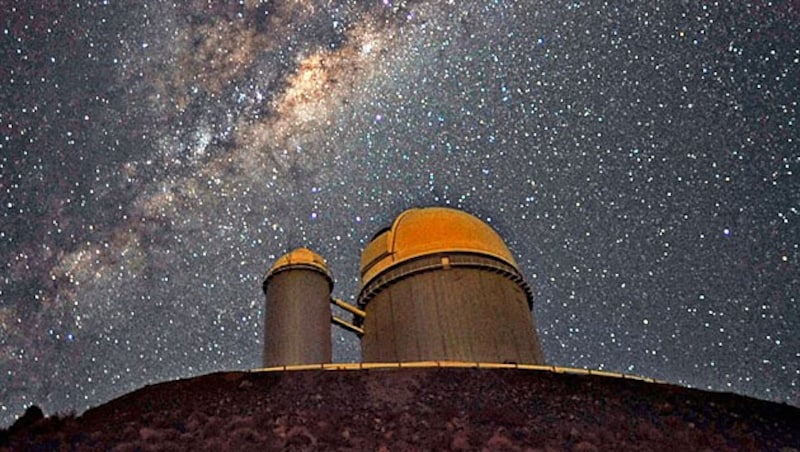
426	231
300	258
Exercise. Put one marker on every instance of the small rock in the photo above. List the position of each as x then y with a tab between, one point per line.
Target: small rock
300	436
499	441
149	434
32	415
585	446
460	441
649	432
665	408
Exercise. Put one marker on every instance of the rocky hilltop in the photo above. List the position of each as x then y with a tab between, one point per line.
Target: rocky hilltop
422	408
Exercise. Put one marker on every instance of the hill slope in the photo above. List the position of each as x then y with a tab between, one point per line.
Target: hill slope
434	408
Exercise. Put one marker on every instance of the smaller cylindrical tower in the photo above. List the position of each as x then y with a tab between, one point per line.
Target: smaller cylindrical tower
297	314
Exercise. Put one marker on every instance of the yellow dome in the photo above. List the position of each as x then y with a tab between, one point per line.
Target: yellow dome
431	230
302	258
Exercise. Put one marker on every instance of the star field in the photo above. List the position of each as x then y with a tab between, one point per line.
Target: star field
640	160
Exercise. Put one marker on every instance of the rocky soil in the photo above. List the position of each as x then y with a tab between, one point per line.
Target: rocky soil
415	409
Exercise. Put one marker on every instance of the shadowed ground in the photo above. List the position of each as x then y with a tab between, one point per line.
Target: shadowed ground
402	409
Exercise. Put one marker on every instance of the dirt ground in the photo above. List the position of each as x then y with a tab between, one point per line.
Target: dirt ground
415	409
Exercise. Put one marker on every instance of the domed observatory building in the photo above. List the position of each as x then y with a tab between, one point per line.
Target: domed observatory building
441	285
297	313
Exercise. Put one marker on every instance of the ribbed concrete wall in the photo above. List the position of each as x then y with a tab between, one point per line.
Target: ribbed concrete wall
459	313
297	318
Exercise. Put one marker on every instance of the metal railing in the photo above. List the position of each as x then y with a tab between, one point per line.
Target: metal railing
455	364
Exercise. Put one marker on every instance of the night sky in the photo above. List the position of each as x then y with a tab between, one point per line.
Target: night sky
641	161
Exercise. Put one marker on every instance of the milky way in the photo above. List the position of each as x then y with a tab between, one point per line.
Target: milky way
641	161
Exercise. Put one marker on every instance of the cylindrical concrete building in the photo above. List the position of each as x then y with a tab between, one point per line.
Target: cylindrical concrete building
297	314
441	284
